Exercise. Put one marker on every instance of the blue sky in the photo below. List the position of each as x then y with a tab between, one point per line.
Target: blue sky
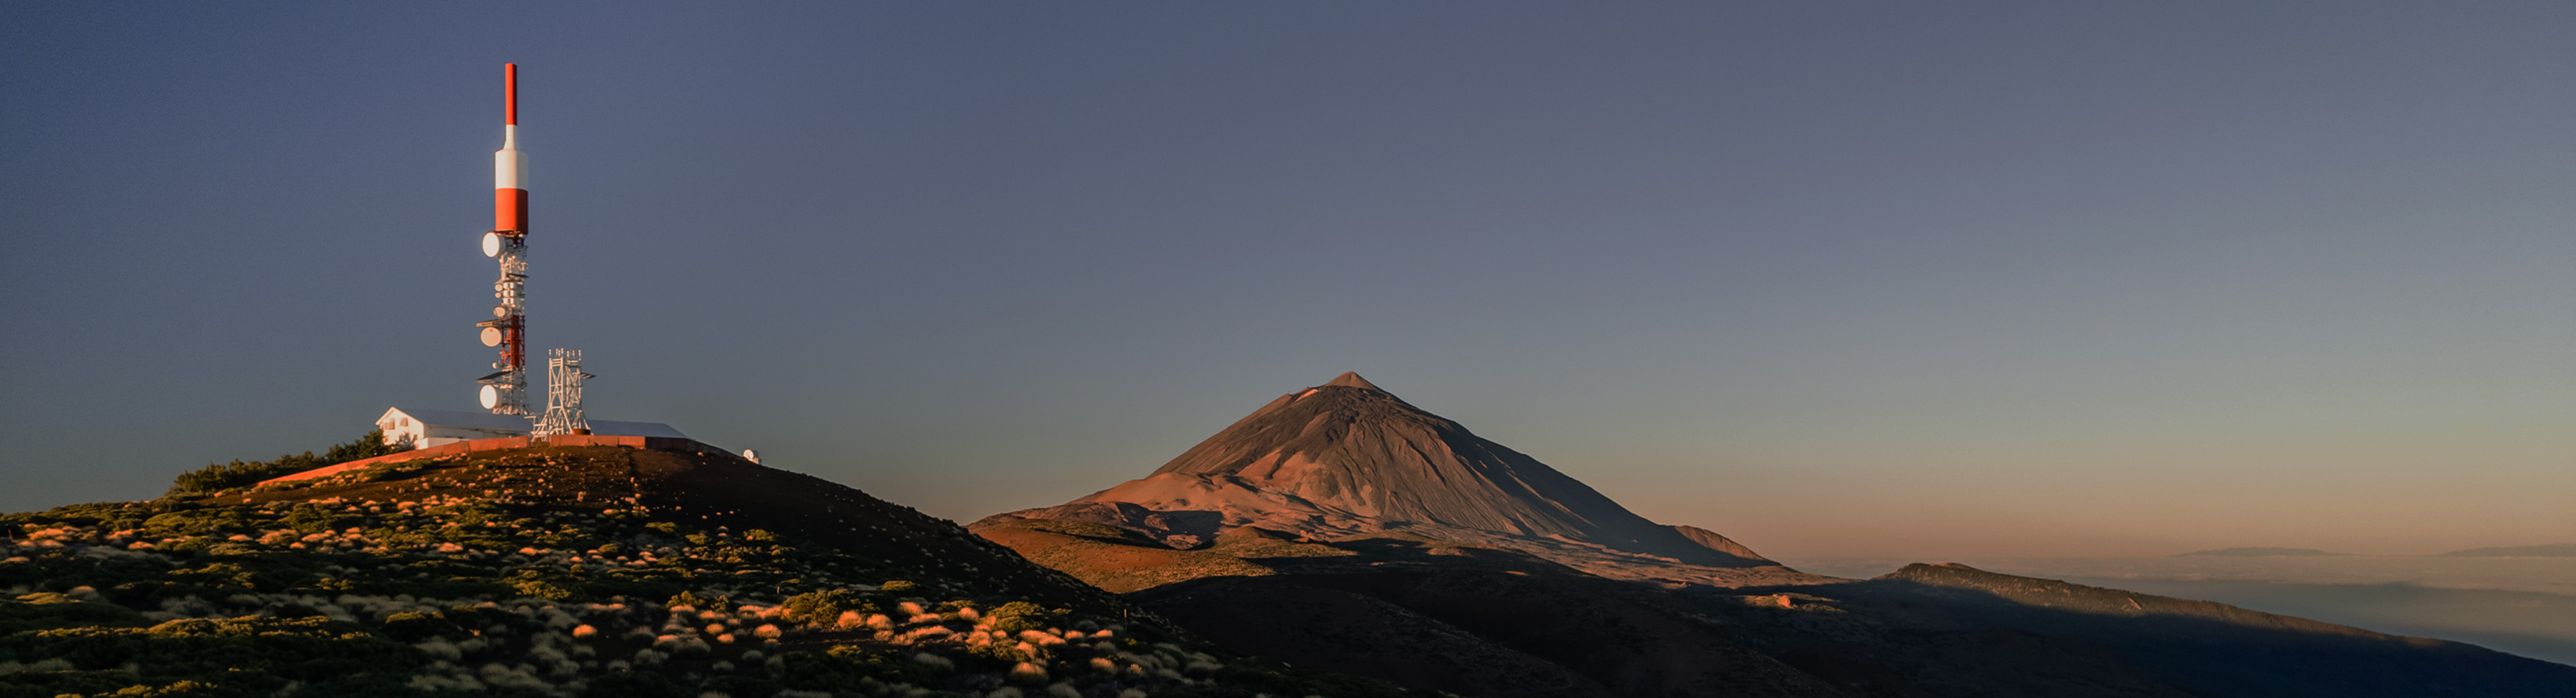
1832	278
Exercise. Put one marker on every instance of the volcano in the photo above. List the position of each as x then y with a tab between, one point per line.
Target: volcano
1341	527
1348	458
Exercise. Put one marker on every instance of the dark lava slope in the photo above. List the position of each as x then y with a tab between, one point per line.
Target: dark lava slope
2207	648
1488	629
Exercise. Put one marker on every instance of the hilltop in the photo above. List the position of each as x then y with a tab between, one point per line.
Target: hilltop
571	571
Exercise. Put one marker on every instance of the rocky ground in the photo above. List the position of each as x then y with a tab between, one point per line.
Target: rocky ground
572	572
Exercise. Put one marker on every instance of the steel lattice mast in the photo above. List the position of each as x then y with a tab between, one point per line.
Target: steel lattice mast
563	394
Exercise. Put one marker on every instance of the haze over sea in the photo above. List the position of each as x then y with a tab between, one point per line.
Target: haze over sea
2523	605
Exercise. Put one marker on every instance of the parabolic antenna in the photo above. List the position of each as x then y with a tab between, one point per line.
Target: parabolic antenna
491	244
491	336
491	396
500	311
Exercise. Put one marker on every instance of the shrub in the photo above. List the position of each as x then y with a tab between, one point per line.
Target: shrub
216	477
693	600
542	589
49	611
1017	616
826	606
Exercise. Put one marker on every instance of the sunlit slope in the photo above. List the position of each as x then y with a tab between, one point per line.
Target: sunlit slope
569	572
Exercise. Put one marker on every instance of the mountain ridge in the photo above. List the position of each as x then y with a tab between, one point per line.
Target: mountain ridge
2560	550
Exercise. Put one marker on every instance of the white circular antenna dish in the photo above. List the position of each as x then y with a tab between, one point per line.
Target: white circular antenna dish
500	311
491	244
491	396
491	336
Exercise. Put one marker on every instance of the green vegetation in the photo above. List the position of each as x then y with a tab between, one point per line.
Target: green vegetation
456	596
216	477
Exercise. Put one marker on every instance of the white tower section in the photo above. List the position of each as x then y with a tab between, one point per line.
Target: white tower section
563	394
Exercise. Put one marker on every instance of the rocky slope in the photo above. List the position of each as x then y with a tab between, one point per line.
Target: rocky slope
589	571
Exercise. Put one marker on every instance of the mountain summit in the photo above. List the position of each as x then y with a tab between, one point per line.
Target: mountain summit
1349	458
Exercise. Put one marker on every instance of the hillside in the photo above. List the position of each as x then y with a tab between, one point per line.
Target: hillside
1343	528
587	571
2213	649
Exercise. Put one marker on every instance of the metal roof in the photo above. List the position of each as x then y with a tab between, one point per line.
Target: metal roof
461	418
607	427
503	422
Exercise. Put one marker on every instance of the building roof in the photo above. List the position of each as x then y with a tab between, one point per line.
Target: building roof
461	418
606	427
503	422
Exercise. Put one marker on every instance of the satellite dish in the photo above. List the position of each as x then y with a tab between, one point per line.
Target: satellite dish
492	244
500	311
491	336
491	396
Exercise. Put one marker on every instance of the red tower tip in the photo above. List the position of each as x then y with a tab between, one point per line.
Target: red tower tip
512	70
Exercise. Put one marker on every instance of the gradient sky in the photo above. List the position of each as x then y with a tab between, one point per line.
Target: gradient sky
1897	280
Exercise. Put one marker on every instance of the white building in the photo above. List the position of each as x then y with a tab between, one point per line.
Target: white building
426	428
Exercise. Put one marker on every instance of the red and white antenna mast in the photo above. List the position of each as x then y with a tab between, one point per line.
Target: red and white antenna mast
506	391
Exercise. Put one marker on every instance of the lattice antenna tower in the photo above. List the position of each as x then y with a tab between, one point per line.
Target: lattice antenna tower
563	394
506	391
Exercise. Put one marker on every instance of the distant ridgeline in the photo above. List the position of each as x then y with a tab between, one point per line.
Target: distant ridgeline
566	571
2568	550
2261	552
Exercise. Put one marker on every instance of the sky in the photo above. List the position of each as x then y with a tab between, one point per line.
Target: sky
1899	280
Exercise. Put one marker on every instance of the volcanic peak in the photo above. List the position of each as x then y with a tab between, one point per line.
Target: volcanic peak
1352	379
1349	458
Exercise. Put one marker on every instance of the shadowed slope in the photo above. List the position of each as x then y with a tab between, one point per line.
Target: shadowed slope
2209	648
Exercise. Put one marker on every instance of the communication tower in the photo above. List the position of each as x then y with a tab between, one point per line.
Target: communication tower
506	391
563	394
